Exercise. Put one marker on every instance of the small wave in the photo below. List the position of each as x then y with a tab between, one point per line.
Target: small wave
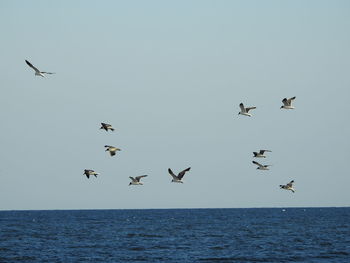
217	248
143	235
137	248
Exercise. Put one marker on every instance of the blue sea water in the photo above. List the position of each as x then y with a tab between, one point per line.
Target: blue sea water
176	235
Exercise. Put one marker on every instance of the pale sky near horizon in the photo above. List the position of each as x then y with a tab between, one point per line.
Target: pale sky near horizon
169	76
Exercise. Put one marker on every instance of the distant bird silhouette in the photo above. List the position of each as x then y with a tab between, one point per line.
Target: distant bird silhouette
136	180
37	71
178	178
260	154
111	149
106	126
244	111
260	166
88	172
287	103
288	186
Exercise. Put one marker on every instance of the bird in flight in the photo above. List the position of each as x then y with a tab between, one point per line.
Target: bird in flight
88	172
37	71
288	186
261	166
136	180
112	150
244	111
178	178
260	154
106	126
287	103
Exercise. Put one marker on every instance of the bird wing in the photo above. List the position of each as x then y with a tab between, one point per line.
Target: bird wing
285	102
250	108
172	174
139	177
133	179
30	65
289	101
242	107
44	72
262	151
258	164
182	173
112	153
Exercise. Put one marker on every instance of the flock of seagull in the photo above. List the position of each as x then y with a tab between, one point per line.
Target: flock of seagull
287	104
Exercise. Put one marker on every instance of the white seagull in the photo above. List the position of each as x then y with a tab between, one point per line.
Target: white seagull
112	150
260	154
177	178
260	166
37	71
136	180
106	126
287	103
288	186
244	111
88	172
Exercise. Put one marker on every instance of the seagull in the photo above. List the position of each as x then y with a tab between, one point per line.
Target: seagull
106	126
261	167
260	154
37	71
136	180
244	111
288	186
177	178
88	172
112	150
287	103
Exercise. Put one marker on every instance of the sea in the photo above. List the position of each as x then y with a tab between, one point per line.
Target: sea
176	235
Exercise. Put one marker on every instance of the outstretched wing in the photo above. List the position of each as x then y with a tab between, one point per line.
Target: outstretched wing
250	108
262	151
139	177
285	102
30	65
182	173
289	101
172	174
44	72
258	164
242	107
133	179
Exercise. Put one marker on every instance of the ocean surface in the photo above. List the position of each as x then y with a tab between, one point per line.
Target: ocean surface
176	235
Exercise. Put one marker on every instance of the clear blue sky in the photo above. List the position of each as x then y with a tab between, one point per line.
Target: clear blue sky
169	75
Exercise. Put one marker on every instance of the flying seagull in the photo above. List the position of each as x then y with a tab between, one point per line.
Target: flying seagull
287	103
260	154
260	166
88	172
288	186
106	126
37	71
244	111
136	180
177	178
112	150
